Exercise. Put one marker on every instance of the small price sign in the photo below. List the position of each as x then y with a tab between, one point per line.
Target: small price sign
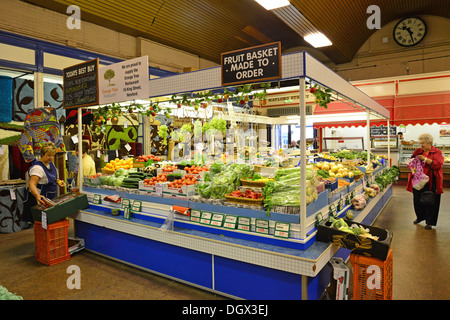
230	222
282	230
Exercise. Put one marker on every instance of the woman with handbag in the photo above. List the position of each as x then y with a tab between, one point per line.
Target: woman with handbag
427	200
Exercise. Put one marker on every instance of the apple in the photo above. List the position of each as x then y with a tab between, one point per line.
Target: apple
153	114
179	105
242	102
219	100
204	105
312	90
263	102
226	96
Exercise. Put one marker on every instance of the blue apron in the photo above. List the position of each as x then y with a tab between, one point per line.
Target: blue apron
48	190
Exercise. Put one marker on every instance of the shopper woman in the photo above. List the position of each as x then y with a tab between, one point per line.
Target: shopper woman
43	180
433	162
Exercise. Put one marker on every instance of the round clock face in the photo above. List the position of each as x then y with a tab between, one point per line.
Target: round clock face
410	31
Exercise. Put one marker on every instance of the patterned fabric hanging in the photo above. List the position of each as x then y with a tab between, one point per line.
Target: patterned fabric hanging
41	125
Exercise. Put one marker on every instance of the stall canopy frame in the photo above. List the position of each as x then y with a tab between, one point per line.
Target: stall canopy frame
298	65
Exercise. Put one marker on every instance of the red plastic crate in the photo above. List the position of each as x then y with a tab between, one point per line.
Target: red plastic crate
51	245
382	290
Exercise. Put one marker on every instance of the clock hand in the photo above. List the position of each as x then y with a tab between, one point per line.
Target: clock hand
410	33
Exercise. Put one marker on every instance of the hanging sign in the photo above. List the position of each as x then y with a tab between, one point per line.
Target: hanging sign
124	81
255	64
81	85
382	131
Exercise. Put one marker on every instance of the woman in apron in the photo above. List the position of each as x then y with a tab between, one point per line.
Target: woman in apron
43	180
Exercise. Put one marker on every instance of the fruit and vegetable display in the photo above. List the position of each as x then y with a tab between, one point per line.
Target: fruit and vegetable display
223	179
337	170
248	194
355	229
285	189
145	158
117	163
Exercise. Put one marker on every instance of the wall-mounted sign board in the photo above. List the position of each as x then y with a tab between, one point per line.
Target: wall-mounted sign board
255	64
124	81
81	85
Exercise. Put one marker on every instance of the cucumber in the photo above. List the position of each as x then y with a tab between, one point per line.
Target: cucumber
131	180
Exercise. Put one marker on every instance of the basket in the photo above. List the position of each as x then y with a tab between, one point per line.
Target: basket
51	245
379	286
106	171
251	183
246	201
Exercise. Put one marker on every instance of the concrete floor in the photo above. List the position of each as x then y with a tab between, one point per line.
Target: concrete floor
420	260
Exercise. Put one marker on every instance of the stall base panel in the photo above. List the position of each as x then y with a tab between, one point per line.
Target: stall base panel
184	264
255	282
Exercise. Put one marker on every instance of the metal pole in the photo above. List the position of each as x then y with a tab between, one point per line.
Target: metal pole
80	149
368	137
389	142
302	107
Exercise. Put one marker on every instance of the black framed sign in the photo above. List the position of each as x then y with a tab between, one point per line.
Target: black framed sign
81	85
255	64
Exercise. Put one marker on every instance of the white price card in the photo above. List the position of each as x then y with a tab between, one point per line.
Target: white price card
195	215
125	125
99	154
128	147
105	158
13	194
74	139
159	189
44	220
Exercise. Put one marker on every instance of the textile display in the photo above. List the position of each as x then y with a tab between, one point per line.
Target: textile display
6	91
11	211
23	99
40	126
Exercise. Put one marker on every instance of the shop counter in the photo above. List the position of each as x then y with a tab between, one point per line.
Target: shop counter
242	267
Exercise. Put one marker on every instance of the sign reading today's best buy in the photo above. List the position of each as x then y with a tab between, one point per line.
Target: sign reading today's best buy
255	64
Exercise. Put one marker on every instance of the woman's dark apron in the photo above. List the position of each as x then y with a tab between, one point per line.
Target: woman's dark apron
48	190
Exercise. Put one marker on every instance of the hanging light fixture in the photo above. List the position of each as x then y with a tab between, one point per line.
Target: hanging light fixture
273	4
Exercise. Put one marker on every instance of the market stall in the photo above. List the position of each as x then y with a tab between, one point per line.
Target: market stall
211	226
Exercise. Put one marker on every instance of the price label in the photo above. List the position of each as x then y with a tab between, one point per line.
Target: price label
217	219
230	222
282	230
74	139
159	189
128	147
97	199
195	215
206	217
262	226
244	223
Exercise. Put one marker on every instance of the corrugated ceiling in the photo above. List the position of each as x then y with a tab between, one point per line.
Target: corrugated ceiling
209	27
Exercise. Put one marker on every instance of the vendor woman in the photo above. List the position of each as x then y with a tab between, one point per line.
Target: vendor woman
43	180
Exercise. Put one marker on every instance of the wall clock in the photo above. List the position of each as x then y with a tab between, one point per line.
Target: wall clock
410	31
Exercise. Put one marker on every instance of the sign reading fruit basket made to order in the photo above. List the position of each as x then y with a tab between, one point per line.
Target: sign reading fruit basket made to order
124	81
255	64
80	85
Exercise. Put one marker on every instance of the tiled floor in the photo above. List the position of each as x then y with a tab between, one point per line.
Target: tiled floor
421	259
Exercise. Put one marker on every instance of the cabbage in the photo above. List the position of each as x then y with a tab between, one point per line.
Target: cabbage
120	172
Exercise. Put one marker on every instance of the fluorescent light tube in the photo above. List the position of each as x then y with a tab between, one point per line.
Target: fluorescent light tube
273	4
317	40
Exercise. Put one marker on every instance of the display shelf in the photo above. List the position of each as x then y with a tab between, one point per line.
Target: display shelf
238	268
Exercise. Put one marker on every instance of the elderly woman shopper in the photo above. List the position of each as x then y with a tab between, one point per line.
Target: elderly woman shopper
433	161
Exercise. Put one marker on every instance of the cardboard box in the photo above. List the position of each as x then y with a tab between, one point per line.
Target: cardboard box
339	282
359	245
184	191
66	205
